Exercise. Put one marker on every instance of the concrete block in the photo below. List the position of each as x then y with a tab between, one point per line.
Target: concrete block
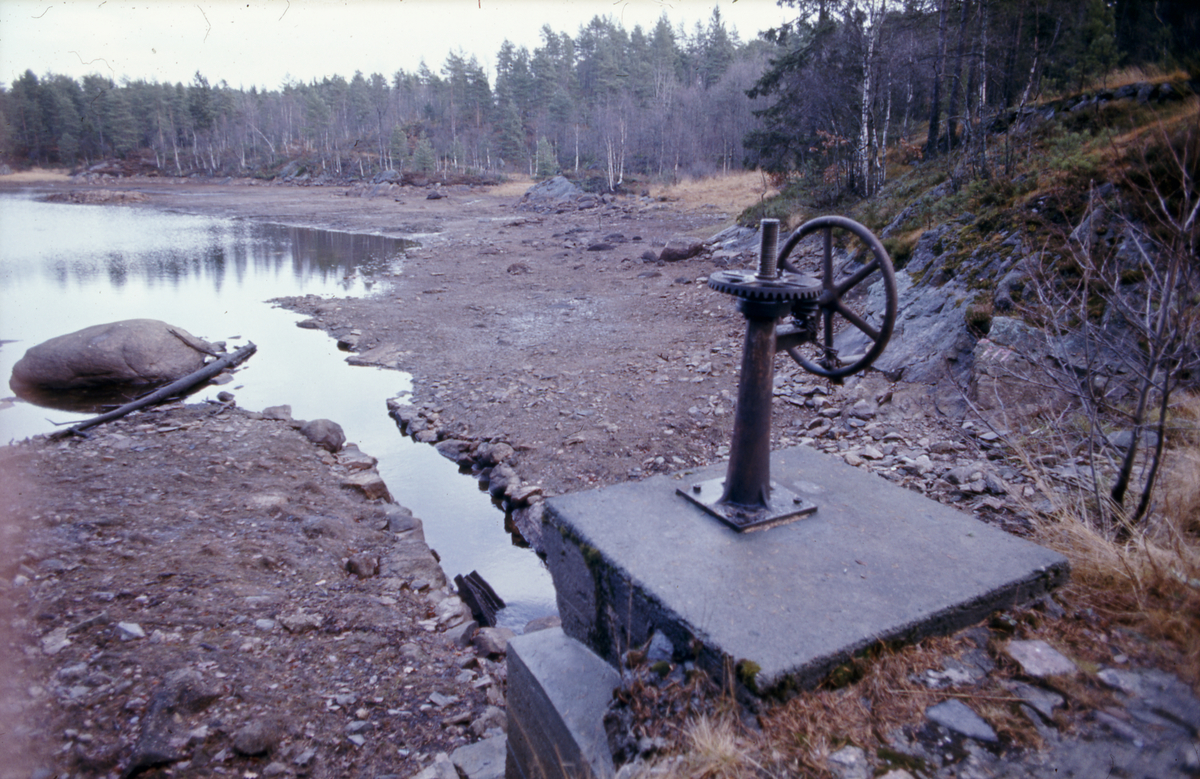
558	691
785	605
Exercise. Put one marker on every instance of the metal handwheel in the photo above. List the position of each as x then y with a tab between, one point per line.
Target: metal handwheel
819	316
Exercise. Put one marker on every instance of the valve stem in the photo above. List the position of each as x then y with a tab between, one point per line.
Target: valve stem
768	268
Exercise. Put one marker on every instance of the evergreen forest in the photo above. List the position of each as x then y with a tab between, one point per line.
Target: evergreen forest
830	93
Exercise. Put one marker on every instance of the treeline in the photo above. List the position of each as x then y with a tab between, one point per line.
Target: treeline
850	79
605	100
826	96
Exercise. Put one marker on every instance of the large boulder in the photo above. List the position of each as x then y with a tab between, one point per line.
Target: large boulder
550	195
132	352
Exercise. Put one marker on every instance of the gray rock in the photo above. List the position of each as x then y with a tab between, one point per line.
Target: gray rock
1042	701
363	565
301	621
130	630
551	194
282	413
930	330
680	247
324	433
441	768
456	450
400	519
256	738
442	701
542	623
1038	659
164	732
369	483
661	650
328	527
355	459
850	763
493	717
501	480
131	352
964	474
1123	438
491	454
492	641
462	634
1158	691
958	717
481	760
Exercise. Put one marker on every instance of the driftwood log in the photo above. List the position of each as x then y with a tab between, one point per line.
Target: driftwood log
165	392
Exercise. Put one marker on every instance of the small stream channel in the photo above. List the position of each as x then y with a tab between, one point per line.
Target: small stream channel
65	267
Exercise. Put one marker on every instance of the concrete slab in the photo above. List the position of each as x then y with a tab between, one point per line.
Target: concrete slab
558	691
876	562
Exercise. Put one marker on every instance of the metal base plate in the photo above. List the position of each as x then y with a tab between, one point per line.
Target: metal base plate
784	506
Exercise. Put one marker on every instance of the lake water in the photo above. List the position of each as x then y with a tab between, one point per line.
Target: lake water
65	267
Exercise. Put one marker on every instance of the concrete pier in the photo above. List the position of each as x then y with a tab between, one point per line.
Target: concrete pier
783	606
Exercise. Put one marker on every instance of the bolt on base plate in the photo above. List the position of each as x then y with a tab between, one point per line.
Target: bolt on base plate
783	506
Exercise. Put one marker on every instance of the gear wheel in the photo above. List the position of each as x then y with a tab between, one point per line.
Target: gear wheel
786	288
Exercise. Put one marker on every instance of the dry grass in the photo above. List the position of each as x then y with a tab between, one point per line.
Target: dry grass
36	176
514	186
1135	74
1149	583
731	193
887	696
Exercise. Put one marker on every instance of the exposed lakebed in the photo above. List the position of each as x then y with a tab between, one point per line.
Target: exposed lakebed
65	267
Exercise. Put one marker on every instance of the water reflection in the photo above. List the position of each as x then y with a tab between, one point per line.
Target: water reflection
65	267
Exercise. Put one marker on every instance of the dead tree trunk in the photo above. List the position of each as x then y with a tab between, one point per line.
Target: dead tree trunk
161	394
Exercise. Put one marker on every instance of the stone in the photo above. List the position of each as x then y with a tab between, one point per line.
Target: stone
400	519
850	763
549	194
492	454
301	622
442	768
492	641
958	717
481	760
305	759
1042	701
164	732
324	433
462	634
442	701
55	641
131	352
1038	659
256	738
1158	691
661	650
542	623
129	631
364	566
680	247
963	474
456	450
355	459
896	773
281	413
501	479
369	483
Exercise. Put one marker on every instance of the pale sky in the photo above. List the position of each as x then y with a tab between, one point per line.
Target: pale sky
263	43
